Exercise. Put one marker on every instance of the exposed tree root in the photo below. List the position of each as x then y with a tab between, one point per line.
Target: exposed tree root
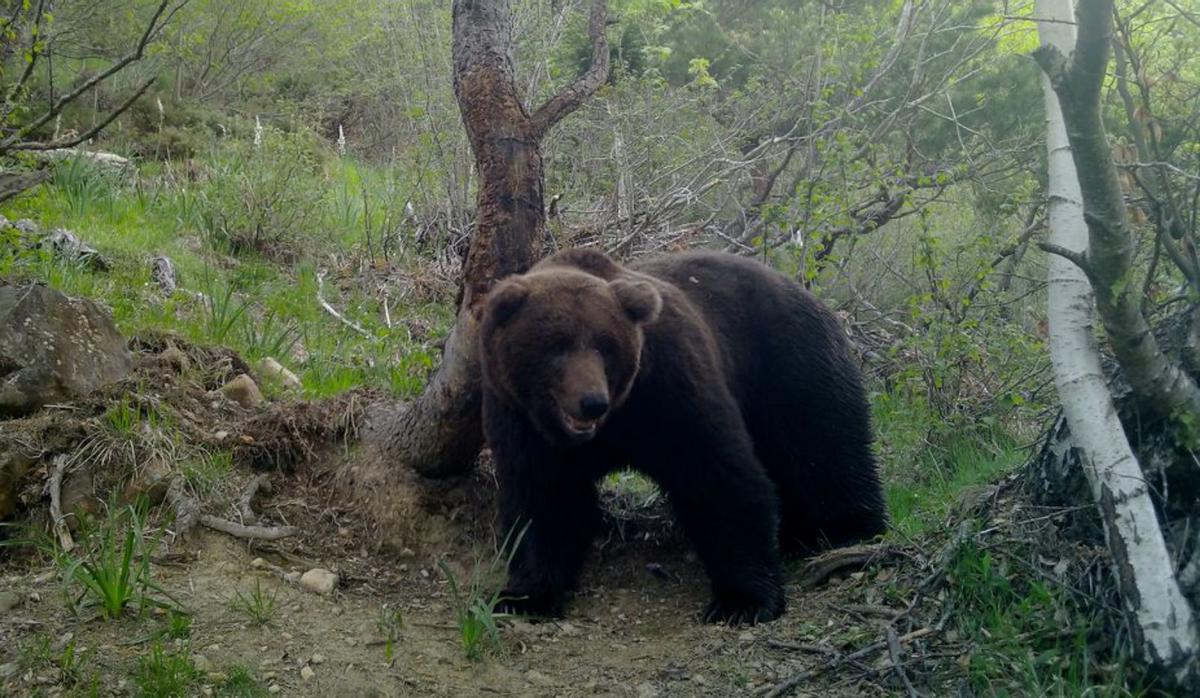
252	532
60	525
821	568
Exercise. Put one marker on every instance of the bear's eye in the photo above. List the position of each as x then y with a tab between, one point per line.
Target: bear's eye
608	346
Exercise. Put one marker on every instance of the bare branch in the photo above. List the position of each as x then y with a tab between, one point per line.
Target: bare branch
134	55
91	132
569	99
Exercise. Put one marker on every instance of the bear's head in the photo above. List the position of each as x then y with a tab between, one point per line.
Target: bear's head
563	346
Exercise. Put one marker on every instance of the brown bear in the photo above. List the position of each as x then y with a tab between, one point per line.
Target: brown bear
723	381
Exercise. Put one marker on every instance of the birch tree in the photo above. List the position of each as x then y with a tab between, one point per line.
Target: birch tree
1159	615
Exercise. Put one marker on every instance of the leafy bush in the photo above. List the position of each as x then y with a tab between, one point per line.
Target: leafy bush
262	198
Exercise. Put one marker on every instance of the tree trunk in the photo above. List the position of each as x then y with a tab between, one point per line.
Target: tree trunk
1108	259
1159	616
439	434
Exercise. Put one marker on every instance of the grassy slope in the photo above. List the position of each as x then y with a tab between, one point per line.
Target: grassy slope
264	303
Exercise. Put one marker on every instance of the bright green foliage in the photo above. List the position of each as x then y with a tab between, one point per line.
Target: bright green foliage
110	568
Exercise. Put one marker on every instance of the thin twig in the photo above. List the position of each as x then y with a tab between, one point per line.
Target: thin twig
333	311
785	687
897	665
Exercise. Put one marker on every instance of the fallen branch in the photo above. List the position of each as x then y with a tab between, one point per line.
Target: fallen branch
60	525
249	532
795	680
333	311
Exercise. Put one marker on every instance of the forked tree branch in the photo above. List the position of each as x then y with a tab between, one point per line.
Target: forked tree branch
571	96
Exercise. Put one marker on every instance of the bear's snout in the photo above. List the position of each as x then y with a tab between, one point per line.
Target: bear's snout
593	405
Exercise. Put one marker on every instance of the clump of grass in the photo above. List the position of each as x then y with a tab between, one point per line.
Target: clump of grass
205	472
474	607
258	605
111	566
241	682
69	663
390	623
179	625
163	673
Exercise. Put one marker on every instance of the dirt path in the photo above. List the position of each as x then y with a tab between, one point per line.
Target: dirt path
629	632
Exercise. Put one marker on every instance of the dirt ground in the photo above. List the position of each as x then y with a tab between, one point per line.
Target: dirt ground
632	629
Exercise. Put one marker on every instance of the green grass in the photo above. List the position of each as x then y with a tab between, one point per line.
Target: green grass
240	682
390	623
927	469
163	674
258	302
257	605
109	569
1026	638
71	667
474	606
207	471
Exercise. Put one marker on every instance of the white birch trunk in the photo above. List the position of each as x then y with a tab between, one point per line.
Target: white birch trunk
1160	616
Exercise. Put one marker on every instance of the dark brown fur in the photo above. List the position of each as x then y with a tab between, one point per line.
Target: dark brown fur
723	381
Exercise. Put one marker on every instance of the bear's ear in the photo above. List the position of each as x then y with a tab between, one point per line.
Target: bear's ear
503	301
639	299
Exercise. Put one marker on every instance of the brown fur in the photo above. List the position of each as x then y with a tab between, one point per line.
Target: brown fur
723	381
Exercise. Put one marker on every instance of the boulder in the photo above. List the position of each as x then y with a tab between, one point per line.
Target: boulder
54	348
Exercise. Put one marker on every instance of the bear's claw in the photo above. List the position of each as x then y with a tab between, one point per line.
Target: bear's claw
741	613
515	603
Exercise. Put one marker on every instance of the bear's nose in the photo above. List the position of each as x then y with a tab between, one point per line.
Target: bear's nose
593	405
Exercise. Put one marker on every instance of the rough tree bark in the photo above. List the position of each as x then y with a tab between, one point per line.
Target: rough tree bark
1108	259
439	434
1159	615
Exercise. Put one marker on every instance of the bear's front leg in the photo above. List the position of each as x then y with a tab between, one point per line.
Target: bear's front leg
726	504
548	508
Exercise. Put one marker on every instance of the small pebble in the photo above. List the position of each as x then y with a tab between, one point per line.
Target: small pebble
274	688
317	659
307	673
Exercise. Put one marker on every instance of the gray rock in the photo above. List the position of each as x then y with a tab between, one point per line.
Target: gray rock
162	270
319	581
67	246
27	226
54	348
